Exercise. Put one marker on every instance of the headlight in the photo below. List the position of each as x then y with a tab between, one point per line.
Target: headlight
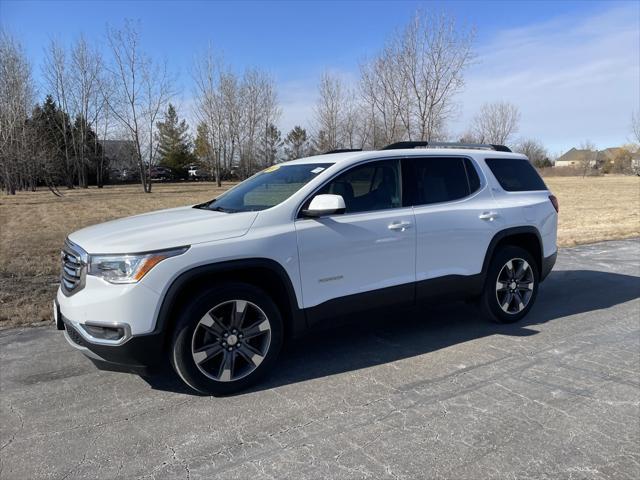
128	268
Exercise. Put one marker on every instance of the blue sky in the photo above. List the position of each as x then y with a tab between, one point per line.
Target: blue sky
572	67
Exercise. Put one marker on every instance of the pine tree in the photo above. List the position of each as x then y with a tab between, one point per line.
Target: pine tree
272	143
296	143
174	144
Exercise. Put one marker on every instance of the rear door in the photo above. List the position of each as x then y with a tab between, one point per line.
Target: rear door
370	248
455	221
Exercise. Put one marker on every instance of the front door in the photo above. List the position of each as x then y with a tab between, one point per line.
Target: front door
368	250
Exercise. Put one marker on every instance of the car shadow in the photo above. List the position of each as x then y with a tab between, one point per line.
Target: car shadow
370	340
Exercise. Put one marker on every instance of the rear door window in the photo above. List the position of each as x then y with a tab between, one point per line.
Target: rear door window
516	174
430	180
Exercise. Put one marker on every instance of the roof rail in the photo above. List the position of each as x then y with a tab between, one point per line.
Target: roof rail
401	145
479	146
342	150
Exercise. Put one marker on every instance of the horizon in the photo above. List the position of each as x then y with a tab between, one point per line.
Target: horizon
572	68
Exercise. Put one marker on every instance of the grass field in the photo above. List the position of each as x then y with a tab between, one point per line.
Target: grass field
33	227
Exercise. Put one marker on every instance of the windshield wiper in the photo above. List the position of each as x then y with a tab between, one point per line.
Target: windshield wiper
222	209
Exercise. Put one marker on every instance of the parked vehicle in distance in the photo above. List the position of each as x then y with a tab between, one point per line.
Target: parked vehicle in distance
196	173
162	174
217	288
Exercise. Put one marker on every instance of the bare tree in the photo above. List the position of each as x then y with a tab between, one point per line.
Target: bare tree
409	88
17	93
496	122
384	95
589	160
142	89
535	152
85	92
329	111
635	126
435	52
206	75
57	77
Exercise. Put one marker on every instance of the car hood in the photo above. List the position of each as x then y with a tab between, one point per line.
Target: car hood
162	229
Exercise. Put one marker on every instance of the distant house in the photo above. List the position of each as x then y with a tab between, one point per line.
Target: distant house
575	158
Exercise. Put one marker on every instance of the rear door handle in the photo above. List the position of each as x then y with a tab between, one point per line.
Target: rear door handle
401	226
489	216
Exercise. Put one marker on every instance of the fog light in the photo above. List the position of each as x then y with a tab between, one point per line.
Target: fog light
104	333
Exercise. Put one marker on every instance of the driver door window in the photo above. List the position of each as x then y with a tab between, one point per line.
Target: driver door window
370	187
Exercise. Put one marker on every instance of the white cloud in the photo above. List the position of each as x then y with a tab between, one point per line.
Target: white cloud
572	77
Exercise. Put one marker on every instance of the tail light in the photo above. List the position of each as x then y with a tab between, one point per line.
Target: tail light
554	202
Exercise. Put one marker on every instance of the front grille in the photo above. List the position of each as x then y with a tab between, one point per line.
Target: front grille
74	263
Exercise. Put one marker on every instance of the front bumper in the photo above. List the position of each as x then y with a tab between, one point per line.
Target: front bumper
138	354
127	310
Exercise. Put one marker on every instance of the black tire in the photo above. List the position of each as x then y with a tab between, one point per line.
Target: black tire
492	301
223	298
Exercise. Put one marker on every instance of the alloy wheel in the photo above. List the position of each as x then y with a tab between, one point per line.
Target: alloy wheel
231	340
514	286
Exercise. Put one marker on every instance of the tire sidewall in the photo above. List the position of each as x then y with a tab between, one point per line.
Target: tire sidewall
181	355
489	301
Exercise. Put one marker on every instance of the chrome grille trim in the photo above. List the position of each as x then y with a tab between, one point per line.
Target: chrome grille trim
73	269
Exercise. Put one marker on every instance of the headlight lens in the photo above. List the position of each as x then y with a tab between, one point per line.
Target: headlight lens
128	268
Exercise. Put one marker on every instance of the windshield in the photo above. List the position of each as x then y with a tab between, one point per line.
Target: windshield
266	188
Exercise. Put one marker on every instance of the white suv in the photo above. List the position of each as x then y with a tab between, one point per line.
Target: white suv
217	287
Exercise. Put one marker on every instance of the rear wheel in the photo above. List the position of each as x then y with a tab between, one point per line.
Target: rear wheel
511	285
227	339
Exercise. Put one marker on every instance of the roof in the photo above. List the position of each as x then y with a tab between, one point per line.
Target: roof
352	157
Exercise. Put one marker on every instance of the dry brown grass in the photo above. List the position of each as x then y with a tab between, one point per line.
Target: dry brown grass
593	209
33	227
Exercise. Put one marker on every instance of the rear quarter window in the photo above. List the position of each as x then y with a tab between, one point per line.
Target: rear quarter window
515	174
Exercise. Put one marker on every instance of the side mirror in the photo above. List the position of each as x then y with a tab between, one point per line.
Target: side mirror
322	205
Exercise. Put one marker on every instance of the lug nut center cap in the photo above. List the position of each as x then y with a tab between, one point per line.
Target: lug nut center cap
513	285
232	340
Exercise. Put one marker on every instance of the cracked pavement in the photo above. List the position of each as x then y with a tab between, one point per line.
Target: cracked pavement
430	393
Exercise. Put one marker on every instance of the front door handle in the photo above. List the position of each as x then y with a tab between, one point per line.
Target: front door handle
489	216
401	226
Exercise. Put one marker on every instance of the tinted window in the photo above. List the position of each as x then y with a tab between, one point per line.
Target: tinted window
266	188
515	174
472	176
437	179
373	186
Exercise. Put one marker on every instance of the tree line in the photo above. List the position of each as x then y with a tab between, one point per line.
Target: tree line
407	91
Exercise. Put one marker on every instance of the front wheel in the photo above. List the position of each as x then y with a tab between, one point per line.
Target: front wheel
511	285
226	339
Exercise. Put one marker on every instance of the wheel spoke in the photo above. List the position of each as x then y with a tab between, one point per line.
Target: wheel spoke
519	301
238	313
525	286
509	266
256	329
522	270
507	302
212	324
501	286
251	354
206	352
225	371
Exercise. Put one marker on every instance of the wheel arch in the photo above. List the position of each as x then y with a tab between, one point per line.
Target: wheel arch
527	237
263	273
